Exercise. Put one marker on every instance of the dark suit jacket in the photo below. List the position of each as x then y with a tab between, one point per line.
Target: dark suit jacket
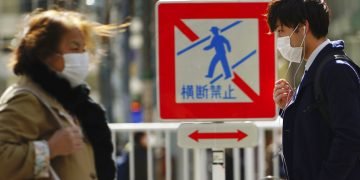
313	150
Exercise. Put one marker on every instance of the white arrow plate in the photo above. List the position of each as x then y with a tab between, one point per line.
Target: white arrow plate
217	135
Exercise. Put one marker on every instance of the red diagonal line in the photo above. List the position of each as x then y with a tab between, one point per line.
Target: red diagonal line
245	88
186	30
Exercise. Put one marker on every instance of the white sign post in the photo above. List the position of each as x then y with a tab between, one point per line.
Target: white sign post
217	136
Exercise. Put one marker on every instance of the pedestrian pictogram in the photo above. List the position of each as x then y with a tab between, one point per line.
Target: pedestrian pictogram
215	60
219	43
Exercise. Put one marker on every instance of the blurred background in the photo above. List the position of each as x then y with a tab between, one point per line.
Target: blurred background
125	79
124	82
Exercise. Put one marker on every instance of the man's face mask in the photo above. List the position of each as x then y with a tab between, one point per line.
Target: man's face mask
292	54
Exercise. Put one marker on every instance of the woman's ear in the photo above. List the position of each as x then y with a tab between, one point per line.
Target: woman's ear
56	62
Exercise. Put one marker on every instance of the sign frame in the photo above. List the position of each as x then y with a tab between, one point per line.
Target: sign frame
168	108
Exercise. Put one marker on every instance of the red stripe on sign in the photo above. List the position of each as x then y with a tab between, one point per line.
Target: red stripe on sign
186	30
245	87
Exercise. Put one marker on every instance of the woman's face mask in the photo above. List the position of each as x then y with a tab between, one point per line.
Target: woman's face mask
292	54
76	67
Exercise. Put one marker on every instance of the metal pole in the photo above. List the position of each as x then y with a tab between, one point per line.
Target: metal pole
127	10
197	165
236	162
185	164
106	68
168	155
261	153
132	156
149	158
249	164
218	164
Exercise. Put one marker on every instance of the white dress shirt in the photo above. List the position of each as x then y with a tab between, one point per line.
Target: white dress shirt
315	53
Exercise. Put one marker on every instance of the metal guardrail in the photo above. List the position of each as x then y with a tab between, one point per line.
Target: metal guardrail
254	162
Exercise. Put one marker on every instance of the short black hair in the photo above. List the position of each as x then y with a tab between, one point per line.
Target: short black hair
318	16
293	12
289	13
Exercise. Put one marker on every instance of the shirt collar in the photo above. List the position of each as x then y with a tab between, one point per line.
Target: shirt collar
315	53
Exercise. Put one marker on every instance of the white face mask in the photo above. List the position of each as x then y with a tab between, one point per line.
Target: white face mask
292	54
76	68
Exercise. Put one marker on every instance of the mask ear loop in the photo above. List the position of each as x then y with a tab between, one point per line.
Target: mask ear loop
288	95
290	61
302	59
286	75
287	72
294	30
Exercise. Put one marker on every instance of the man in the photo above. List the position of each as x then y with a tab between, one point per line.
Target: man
316	145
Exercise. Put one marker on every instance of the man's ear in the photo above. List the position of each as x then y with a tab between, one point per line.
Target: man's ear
306	27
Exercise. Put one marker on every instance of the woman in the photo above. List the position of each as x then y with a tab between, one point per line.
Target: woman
49	126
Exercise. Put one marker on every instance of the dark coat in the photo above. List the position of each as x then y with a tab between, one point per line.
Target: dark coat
312	149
